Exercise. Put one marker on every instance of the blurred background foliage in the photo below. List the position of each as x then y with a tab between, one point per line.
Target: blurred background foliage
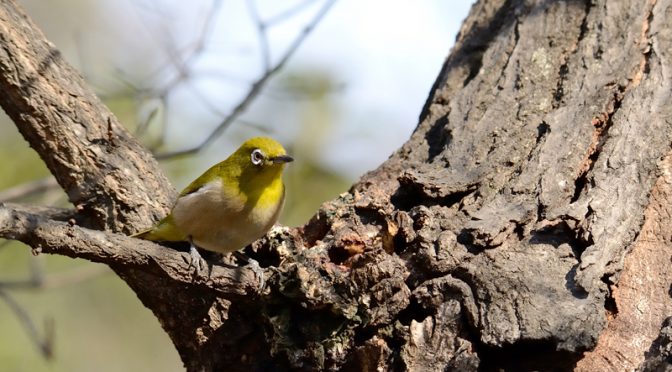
171	71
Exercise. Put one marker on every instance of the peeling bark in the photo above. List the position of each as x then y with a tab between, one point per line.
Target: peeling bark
522	226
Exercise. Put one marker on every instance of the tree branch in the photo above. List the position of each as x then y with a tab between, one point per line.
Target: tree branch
56	237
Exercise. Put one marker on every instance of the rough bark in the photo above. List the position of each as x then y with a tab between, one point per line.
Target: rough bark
524	225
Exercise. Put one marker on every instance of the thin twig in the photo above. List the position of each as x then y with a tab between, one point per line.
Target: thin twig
51	281
261	34
256	87
288	13
75	276
27	189
210	106
46	344
180	59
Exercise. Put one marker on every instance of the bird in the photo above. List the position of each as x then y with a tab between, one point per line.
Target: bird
232	204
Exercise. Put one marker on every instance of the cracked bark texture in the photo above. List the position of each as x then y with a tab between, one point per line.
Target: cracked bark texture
524	225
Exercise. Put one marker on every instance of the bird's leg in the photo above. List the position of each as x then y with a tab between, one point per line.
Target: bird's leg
254	265
195	258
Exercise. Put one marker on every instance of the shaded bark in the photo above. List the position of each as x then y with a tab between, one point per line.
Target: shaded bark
522	226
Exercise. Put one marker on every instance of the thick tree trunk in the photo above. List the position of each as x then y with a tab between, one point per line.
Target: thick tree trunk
524	225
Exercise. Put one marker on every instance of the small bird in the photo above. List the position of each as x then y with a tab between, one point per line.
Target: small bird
232	204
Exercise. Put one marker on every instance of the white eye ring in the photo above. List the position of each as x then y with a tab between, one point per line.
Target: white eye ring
257	157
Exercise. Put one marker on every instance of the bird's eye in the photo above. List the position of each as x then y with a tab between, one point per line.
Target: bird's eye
257	157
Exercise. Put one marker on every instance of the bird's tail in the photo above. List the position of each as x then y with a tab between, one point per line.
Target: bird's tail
165	230
145	234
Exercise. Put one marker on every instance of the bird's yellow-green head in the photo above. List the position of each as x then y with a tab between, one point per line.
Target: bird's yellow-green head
261	154
255	166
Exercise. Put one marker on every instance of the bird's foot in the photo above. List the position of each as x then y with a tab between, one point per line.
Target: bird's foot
258	271
254	265
196	260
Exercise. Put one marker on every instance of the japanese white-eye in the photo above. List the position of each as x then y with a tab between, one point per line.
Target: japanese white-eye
231	205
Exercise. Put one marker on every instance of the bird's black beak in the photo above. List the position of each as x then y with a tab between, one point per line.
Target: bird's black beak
282	159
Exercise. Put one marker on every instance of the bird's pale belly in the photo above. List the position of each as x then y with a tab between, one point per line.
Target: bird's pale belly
222	223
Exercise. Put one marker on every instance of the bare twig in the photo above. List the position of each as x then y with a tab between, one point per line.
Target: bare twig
70	277
217	111
256	87
44	344
261	34
75	276
288	13
180	59
27	189
182	64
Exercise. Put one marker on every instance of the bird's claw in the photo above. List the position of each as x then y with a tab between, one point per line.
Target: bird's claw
196	260
254	266
258	271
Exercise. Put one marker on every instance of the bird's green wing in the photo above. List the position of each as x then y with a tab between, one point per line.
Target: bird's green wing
216	171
